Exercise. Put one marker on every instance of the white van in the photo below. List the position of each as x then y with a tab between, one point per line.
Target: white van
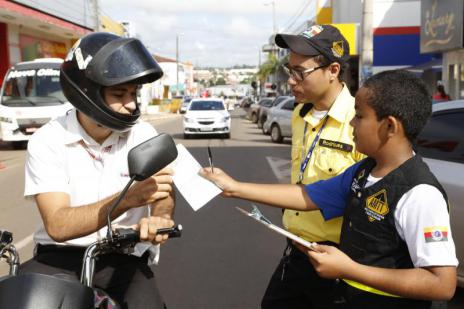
30	96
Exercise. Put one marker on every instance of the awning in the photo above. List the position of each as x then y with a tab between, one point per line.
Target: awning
435	65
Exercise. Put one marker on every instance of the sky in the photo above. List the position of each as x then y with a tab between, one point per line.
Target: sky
212	33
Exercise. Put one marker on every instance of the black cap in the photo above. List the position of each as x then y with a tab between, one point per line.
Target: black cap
323	40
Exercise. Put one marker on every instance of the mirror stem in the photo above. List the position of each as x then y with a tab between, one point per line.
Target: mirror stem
109	233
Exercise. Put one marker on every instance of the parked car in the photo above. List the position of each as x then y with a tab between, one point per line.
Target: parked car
441	143
253	112
279	120
185	103
263	111
246	102
206	116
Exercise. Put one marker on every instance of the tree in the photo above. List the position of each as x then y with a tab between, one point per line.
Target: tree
270	66
267	68
220	81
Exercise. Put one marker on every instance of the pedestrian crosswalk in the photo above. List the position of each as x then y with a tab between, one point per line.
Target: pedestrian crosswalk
281	168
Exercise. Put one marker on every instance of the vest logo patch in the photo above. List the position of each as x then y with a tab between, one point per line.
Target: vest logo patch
335	145
377	206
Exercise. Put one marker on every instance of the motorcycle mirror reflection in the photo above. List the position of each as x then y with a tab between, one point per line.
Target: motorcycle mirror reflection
145	160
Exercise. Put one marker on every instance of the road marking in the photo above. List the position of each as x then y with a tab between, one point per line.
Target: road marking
24	242
282	168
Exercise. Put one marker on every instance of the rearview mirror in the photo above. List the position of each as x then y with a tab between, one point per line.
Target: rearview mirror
151	156
145	160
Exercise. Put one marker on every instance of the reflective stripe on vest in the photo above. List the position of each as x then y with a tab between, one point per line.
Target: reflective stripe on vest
366	288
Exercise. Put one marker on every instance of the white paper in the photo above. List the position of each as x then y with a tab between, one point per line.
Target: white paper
196	190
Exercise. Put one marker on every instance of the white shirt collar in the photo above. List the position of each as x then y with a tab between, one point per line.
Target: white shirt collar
75	132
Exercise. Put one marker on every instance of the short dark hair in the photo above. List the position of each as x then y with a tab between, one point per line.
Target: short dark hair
403	95
322	60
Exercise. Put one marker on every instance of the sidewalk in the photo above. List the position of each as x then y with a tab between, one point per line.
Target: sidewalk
159	116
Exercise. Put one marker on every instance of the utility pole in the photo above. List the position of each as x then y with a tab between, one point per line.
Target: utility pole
96	10
177	64
260	86
367	54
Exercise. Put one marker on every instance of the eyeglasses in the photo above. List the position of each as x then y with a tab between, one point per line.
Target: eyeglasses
298	75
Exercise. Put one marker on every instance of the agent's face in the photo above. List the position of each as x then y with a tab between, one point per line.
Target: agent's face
367	130
314	85
121	98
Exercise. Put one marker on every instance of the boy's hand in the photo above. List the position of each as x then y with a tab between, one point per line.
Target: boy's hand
149	226
226	183
329	261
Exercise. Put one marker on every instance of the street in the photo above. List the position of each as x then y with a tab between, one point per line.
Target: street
223	259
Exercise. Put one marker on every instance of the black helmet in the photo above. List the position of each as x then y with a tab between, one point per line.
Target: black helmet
100	60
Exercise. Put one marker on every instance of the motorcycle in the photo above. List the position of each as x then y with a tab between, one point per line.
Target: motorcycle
39	291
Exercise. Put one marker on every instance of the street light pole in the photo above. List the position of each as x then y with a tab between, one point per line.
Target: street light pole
177	64
274	27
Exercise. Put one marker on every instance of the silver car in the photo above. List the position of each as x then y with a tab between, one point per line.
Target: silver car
441	143
279	120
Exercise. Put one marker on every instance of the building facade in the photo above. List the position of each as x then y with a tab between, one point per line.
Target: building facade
442	32
34	29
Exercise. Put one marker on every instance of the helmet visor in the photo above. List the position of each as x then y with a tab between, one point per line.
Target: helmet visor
123	61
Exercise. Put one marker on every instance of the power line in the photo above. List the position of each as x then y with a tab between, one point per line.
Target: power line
303	10
297	11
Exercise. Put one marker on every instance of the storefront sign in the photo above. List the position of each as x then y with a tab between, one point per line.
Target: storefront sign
441	25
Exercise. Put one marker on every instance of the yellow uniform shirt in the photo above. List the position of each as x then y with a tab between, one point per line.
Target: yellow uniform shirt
333	153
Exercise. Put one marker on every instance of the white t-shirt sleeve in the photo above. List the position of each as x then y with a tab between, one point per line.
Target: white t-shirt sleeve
45	169
422	221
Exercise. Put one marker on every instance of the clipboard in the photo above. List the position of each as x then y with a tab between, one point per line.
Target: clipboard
258	216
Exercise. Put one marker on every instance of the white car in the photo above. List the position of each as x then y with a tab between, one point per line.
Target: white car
206	116
441	143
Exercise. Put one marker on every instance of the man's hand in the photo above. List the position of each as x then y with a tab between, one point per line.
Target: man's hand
149	226
220	179
156	187
328	261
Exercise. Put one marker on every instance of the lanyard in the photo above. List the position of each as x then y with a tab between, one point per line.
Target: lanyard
304	164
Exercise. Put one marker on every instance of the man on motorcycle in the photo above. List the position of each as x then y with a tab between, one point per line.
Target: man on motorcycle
77	166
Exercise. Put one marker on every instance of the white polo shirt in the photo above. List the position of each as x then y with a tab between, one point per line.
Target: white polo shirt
62	157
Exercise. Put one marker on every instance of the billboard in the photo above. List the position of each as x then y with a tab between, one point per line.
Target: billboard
441	25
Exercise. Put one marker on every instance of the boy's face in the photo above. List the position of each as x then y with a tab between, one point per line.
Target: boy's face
121	98
367	130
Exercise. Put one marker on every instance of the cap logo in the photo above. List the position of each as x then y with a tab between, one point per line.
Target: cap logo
313	31
337	49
